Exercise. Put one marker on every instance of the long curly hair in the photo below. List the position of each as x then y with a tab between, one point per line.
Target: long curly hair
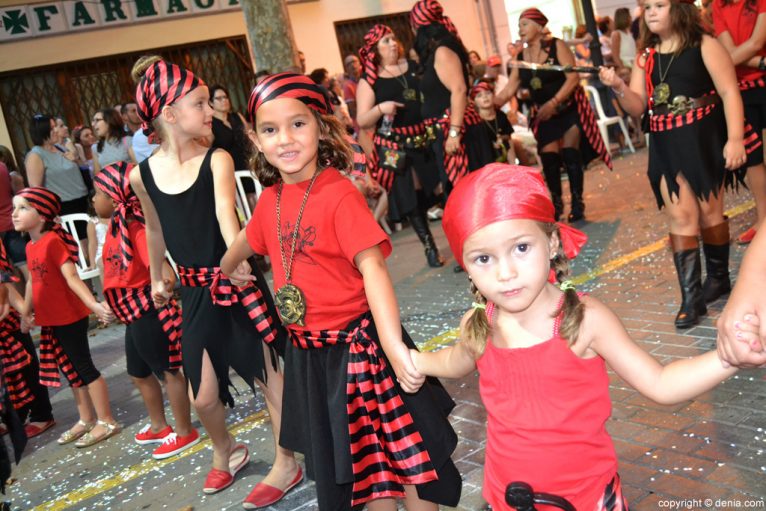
334	151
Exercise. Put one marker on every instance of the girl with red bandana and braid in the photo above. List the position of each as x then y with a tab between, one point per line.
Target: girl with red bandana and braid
153	334
187	195
58	301
541	348
699	142
369	433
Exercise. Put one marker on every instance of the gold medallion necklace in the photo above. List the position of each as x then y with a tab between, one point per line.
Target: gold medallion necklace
408	93
289	299
661	93
536	83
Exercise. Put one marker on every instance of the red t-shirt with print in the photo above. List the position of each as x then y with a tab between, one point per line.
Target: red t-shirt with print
738	19
136	274
335	227
54	302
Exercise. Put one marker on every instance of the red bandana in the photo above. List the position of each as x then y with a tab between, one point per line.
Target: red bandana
288	85
367	52
48	205
114	181
428	12
535	15
481	87
162	84
499	192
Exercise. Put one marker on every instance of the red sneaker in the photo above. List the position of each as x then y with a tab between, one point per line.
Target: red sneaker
145	436
265	495
747	236
175	444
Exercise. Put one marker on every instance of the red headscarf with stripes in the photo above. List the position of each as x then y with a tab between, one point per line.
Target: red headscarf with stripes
114	181
428	12
534	14
163	84
288	85
499	192
367	52
48	205
481	87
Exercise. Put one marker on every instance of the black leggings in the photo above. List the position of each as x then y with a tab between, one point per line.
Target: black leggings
73	339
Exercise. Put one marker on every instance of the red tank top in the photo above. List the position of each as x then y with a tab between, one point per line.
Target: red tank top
546	415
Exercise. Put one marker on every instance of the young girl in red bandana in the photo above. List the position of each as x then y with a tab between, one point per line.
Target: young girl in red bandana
187	194
686	82
368	434
58	301
541	348
152	334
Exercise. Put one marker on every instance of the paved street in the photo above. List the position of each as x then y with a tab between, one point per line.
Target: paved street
709	448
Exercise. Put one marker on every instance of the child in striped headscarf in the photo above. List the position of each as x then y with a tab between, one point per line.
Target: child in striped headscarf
62	303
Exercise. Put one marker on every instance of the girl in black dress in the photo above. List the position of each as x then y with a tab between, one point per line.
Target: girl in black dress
187	195
683	76
562	118
494	122
401	161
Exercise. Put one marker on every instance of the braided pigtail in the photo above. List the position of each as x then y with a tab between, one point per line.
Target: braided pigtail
476	327
572	309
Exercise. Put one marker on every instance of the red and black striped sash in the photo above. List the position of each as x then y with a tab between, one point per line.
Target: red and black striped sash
385	176
130	304
14	358
224	293
387	451
456	164
53	359
752	84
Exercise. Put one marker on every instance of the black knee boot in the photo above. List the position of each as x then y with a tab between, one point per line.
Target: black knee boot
686	256
552	173
715	245
420	226
576	173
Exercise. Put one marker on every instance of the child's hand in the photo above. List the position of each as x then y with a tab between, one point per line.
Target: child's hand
241	274
415	356
103	312
161	293
608	77
734	154
748	331
410	380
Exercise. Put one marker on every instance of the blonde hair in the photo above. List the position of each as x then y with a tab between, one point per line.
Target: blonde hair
136	74
477	328
334	151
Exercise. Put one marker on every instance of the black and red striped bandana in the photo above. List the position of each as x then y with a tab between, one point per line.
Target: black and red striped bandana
534	14
288	85
48	205
481	87
162	84
367	52
428	12
114	181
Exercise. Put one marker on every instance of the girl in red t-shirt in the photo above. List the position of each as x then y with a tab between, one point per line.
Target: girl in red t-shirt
59	302
350	386
541	347
153	334
740	25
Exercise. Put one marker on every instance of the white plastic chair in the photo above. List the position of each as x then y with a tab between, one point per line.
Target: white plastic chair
604	122
242	204
68	223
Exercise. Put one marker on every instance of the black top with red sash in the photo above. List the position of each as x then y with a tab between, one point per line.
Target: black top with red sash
387	451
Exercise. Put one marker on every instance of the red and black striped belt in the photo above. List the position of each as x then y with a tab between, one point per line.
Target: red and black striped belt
376	415
53	359
130	304
226	294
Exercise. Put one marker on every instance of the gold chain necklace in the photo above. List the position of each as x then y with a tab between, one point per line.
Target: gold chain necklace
289	299
536	83
408	93
661	93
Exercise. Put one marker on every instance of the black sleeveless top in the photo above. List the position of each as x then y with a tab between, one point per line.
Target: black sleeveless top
685	73
551	81
189	223
392	89
232	140
436	97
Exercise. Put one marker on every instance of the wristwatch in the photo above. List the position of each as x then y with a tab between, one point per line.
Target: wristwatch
454	132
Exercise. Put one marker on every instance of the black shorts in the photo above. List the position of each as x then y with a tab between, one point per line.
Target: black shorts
755	114
147	347
73	339
16	246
